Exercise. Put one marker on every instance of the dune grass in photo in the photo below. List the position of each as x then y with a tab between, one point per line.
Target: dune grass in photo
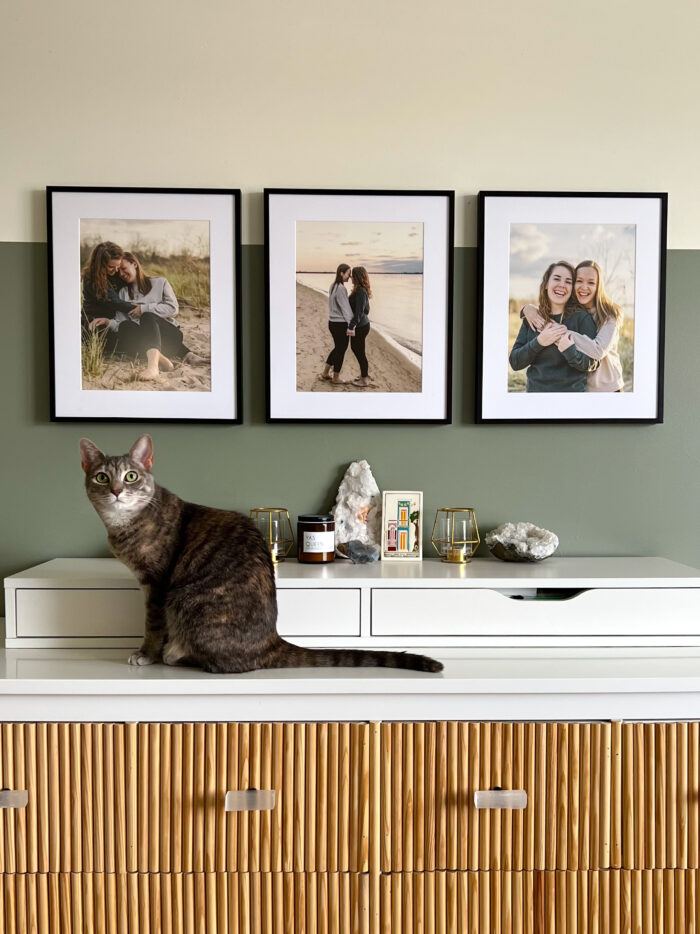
189	275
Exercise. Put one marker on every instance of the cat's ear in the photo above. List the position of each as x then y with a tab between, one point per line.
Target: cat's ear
90	454
142	452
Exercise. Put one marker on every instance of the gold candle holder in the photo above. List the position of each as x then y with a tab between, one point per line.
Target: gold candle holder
275	527
455	535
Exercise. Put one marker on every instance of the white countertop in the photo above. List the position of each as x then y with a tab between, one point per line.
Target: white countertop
482	684
481	572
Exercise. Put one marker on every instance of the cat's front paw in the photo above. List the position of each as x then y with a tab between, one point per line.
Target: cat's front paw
138	658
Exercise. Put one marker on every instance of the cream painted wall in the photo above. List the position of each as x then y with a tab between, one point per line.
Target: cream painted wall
411	94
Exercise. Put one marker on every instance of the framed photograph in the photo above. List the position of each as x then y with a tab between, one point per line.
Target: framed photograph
571	307
359	305
144	287
402	526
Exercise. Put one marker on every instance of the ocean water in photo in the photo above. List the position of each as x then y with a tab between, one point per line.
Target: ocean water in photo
396	307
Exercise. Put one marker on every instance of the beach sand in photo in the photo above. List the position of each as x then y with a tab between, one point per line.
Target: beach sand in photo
389	369
123	374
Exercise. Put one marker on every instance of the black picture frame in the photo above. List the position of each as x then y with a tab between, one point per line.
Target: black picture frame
648	212
273	305
226	409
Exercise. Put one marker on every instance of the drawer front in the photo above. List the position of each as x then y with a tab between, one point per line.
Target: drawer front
81	810
225	903
119	613
318	612
661	795
60	613
430	771
594	902
320	773
442	612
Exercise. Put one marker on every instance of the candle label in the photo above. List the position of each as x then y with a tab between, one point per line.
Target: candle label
319	542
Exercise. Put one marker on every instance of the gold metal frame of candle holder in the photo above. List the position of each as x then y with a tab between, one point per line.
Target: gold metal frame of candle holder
286	543
455	551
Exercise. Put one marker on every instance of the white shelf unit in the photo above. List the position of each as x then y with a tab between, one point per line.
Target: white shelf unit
561	602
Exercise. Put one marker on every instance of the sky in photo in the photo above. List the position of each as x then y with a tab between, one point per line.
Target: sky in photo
166	237
385	247
534	246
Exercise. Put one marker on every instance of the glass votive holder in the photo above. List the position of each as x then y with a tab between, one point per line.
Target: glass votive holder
455	534
275	527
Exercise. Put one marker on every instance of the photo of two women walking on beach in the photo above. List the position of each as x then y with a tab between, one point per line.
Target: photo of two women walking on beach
359	307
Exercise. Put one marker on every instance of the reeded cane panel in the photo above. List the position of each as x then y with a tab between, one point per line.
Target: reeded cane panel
430	771
609	901
225	903
661	795
81	782
319	771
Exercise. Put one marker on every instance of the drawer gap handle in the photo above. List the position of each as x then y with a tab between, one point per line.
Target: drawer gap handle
253	799
13	799
501	798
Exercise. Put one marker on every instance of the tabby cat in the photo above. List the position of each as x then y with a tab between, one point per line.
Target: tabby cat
207	575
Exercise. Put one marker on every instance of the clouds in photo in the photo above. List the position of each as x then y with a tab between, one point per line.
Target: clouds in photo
534	246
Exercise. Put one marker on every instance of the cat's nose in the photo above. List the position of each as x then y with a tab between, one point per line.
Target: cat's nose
117	492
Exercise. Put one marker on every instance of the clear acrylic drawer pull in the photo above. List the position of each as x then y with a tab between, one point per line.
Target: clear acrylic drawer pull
252	799
13	799
511	800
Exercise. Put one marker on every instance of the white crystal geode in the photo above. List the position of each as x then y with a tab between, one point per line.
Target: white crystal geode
521	541
358	506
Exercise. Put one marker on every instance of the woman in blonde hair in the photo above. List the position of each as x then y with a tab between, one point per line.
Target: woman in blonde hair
590	294
553	362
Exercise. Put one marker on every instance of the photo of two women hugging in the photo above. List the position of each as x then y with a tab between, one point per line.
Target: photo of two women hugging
570	340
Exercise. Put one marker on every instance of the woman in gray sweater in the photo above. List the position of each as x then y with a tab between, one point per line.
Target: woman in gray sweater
150	330
339	320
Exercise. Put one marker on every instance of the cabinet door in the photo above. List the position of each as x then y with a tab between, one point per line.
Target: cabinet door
661	795
430	771
592	901
196	903
319	771
80	813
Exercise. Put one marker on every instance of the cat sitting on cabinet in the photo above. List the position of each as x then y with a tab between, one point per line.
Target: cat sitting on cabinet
206	573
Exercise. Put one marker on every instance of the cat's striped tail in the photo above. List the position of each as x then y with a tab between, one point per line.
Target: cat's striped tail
295	656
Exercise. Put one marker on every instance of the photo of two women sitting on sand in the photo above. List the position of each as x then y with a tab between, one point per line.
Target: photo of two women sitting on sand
359	307
145	310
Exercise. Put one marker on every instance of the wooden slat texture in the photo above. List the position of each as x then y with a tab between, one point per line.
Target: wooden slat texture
321	773
70	772
210	903
661	791
149	798
560	902
566	769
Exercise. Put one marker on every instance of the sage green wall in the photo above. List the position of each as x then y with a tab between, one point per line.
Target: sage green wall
605	489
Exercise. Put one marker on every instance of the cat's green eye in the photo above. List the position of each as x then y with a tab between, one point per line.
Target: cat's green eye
131	476
101	477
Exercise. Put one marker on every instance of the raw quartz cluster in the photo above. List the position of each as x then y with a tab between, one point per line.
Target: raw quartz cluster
358	514
521	541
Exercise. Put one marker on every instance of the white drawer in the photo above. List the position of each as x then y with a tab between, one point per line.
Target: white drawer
308	612
61	613
481	612
119	613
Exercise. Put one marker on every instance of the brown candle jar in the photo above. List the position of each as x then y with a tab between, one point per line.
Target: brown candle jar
316	539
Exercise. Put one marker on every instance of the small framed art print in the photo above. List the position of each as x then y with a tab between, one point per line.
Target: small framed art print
359	305
145	304
402	526
571	307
